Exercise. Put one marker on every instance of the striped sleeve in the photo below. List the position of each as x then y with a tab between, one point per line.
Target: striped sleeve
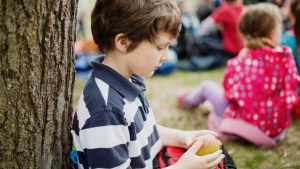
102	141
111	131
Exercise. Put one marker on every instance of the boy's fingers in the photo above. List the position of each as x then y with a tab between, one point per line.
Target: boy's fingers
213	133
205	132
213	156
220	143
189	141
195	147
214	163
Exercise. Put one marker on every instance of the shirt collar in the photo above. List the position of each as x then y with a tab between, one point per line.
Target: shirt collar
117	81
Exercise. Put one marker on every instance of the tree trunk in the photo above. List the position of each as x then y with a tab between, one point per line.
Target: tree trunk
36	82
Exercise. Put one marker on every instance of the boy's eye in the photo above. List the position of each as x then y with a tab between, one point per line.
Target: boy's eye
162	48
159	48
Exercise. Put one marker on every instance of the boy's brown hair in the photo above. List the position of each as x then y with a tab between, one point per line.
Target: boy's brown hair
138	20
257	22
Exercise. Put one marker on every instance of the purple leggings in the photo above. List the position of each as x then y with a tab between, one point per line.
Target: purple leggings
212	92
208	90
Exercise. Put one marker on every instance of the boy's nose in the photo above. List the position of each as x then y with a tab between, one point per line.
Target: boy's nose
165	56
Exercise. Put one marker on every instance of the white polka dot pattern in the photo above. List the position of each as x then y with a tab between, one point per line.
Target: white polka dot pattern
261	88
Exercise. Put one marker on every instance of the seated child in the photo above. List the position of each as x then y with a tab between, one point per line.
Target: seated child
114	126
291	38
215	52
260	84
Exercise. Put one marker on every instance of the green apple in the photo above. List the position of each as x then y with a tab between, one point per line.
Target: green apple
210	145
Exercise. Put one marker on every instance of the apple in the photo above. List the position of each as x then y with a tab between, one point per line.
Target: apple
210	145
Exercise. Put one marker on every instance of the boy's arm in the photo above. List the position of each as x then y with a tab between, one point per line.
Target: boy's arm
180	138
171	137
100	140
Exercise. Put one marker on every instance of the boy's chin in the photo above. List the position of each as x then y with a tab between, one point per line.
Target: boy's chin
149	74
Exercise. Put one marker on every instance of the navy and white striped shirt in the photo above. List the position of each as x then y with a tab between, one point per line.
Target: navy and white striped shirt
113	126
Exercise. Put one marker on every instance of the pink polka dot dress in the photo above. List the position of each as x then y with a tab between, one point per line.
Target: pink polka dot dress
260	86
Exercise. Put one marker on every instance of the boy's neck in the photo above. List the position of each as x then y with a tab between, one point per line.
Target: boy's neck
116	62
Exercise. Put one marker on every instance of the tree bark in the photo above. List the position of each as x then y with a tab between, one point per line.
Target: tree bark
36	82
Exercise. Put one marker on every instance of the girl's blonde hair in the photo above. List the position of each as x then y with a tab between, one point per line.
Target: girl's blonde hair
257	22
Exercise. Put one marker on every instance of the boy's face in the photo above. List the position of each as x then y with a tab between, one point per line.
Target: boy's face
147	57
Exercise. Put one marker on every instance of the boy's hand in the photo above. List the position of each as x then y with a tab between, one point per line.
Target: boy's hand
189	160
191	136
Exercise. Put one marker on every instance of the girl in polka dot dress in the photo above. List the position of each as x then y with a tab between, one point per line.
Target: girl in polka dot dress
260	83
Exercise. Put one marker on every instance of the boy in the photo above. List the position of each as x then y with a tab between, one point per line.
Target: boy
114	126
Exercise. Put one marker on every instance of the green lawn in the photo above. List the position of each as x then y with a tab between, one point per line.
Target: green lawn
162	91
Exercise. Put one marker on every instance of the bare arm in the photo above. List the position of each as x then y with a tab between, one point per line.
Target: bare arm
171	137
207	26
180	138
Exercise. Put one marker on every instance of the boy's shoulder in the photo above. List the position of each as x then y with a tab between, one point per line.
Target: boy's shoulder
107	86
100	99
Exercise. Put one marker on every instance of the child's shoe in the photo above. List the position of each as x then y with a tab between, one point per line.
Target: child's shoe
181	101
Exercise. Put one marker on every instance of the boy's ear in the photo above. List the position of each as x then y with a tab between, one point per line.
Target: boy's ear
121	42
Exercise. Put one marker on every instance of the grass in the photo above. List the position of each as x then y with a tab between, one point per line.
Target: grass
162	91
